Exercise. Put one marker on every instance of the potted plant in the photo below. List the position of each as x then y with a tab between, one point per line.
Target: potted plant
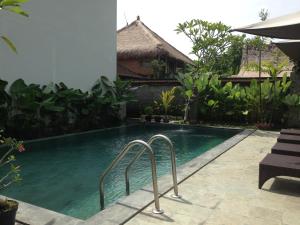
8	208
149	112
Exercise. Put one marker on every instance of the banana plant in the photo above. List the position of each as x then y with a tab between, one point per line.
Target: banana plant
103	87
292	100
122	89
30	107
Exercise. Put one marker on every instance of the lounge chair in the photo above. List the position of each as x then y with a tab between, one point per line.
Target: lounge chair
278	165
290	131
286	138
286	149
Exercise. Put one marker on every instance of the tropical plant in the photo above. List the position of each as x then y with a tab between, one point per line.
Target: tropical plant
217	50
32	110
123	92
228	102
103	87
5	101
167	97
187	89
13	6
273	69
148	110
159	68
292	100
30	106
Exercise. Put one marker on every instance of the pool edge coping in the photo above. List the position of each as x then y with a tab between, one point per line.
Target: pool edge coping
129	206
41	216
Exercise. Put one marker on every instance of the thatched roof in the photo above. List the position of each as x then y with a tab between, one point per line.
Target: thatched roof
126	72
137	40
254	74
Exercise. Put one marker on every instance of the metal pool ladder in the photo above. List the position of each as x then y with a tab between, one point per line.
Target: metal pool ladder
145	147
173	162
121	155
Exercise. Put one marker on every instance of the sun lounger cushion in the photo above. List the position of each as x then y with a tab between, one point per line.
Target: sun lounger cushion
290	131
286	138
286	149
278	165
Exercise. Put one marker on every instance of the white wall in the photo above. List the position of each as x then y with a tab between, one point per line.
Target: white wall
72	41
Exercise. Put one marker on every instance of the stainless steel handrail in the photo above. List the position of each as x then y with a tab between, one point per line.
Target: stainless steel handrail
153	170
173	162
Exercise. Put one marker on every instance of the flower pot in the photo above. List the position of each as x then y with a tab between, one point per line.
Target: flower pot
8	215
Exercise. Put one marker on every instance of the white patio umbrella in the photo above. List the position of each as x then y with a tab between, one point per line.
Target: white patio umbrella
283	27
290	47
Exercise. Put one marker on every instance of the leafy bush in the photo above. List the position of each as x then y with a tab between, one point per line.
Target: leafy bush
228	102
33	110
148	110
215	48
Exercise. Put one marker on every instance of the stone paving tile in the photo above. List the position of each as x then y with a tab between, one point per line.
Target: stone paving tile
225	192
291	217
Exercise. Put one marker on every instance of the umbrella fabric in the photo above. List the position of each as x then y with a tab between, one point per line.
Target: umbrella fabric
290	48
284	27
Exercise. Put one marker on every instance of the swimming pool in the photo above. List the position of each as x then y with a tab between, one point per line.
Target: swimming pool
62	174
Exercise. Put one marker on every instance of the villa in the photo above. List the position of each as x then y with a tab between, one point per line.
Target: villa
138	46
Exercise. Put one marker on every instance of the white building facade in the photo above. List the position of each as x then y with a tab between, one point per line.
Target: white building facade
70	41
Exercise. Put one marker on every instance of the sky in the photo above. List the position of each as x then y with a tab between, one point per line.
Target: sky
163	16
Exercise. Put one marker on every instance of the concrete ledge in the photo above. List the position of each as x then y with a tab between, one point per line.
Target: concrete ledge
33	215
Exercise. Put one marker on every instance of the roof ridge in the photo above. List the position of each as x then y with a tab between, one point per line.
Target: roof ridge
144	28
162	41
142	37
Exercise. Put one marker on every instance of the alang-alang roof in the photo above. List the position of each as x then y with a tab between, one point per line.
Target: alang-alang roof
137	40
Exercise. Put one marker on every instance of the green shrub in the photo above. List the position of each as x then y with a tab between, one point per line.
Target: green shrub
148	110
29	111
232	103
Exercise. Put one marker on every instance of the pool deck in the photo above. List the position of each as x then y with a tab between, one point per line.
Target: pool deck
225	192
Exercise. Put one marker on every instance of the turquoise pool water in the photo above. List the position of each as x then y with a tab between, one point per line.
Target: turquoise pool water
62	174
